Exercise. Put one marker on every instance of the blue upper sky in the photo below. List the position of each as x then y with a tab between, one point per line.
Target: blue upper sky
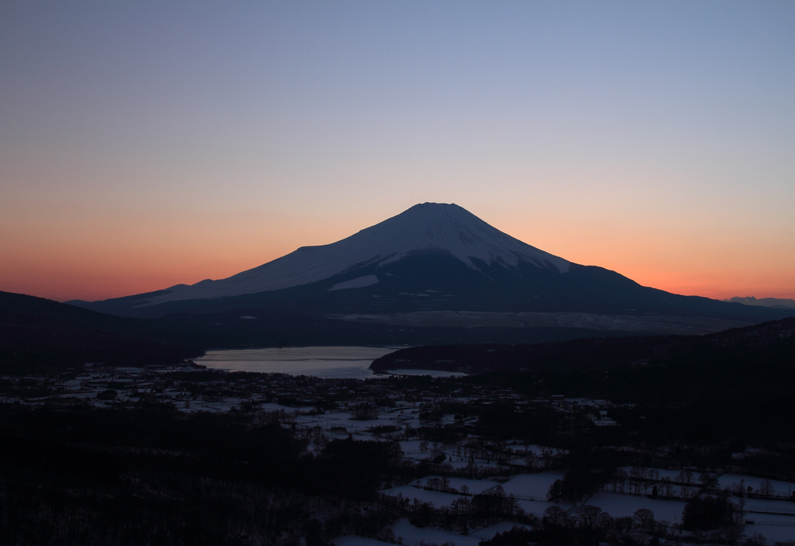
657	139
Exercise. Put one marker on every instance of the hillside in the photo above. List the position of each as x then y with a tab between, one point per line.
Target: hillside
753	343
40	334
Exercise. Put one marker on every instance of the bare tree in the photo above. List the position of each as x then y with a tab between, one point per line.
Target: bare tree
709	481
555	490
589	516
644	518
667	488
766	488
555	515
619	479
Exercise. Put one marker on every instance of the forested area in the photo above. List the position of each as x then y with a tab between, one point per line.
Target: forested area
157	476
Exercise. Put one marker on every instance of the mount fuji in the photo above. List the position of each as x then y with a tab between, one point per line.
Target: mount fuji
427	228
435	272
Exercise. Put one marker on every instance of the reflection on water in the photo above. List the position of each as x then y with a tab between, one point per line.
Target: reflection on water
325	362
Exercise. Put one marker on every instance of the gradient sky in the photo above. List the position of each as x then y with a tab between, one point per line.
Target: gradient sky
145	144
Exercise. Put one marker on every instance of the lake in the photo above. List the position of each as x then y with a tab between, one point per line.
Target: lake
325	362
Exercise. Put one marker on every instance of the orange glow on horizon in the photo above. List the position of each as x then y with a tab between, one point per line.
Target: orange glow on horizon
67	257
91	282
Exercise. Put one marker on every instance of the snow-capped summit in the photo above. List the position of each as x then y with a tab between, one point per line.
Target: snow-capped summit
444	228
451	229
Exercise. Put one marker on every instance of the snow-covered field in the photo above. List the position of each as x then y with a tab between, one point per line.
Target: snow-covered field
408	534
411	535
770	506
773	528
621	505
397	417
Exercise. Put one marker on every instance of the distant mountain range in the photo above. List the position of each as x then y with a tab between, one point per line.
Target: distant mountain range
778	303
432	274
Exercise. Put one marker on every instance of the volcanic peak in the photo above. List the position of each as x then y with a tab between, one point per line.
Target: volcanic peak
446	228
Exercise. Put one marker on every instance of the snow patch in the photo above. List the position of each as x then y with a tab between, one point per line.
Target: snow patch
359	282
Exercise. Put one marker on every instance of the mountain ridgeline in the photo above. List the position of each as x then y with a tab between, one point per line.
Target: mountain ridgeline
40	335
432	274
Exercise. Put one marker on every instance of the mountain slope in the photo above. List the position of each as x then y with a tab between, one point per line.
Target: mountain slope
433	262
428	227
49	335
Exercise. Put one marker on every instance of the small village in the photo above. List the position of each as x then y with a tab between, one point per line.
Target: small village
460	462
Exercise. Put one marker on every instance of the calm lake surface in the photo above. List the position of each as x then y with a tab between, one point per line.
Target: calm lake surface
325	362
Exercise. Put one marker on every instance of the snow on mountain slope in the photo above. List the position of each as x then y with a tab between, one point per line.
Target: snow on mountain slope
428	226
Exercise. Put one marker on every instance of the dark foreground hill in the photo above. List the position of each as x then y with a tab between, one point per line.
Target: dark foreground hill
38	334
731	389
767	341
